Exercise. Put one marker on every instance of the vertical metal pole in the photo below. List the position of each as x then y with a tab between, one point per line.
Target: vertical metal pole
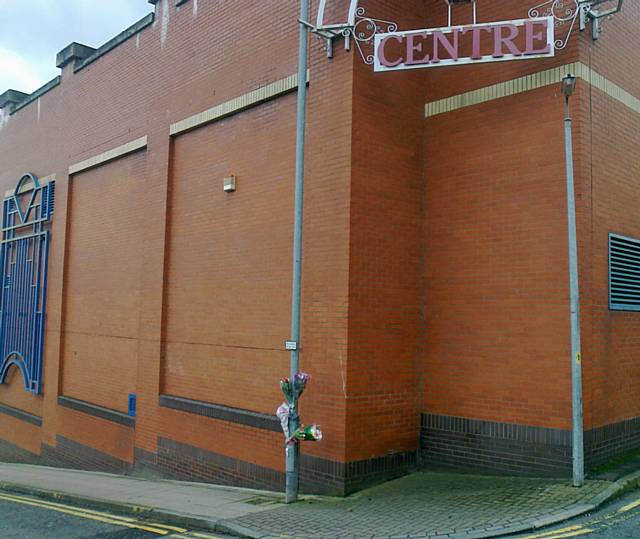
576	357
293	450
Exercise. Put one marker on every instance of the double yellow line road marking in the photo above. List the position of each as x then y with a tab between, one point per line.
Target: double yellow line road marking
629	507
620	515
107	518
571	531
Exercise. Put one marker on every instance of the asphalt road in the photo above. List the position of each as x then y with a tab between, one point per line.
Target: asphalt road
23	517
619	520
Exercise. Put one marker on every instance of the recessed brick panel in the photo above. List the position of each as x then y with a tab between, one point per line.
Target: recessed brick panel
229	260
103	276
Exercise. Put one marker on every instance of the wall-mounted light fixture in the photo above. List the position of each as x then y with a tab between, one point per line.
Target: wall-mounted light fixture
229	185
596	11
569	85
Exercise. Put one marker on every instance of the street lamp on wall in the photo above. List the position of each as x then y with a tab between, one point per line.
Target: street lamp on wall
596	11
569	85
292	451
568	88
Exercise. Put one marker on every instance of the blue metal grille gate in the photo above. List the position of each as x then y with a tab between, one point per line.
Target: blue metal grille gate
24	254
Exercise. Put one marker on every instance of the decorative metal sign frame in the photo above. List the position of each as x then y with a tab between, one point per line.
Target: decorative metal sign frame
565	14
361	28
24	254
571	13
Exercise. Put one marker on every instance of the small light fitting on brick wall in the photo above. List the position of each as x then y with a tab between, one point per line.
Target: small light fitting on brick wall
230	184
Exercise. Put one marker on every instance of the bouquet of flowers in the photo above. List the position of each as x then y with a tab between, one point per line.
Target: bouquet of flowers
300	381
287	389
295	389
292	390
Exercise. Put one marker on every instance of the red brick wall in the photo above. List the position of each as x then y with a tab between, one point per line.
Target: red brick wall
12	393
605	146
445	82
435	266
495	256
611	168
492	284
163	75
102	282
229	260
613	368
385	287
20	434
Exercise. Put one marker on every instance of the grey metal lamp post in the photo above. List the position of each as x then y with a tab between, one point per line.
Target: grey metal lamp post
293	450
568	87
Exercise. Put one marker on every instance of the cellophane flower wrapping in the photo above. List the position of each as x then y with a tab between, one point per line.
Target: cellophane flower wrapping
283	413
309	433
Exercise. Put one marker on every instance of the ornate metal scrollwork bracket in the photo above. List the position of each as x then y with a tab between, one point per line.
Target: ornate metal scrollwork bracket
364	32
359	28
567	12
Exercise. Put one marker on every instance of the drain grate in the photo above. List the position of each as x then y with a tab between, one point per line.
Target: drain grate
262	500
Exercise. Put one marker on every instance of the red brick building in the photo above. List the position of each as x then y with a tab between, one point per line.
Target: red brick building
435	297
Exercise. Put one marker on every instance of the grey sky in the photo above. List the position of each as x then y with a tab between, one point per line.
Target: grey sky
33	31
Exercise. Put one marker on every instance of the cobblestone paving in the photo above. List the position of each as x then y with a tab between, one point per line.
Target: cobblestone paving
425	504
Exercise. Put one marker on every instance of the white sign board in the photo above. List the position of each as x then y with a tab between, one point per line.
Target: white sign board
521	39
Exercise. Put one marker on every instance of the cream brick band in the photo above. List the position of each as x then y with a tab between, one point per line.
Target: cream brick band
110	155
233	106
532	82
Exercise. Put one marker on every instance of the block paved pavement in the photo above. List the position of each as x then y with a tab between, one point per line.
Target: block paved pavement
427	504
423	504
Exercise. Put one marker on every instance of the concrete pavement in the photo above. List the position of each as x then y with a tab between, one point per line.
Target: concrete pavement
194	504
424	504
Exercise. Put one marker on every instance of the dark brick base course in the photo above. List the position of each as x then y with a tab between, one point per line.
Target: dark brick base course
70	454
175	460
180	461
605	443
13	453
463	444
502	448
321	476
365	473
185	462
487	446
